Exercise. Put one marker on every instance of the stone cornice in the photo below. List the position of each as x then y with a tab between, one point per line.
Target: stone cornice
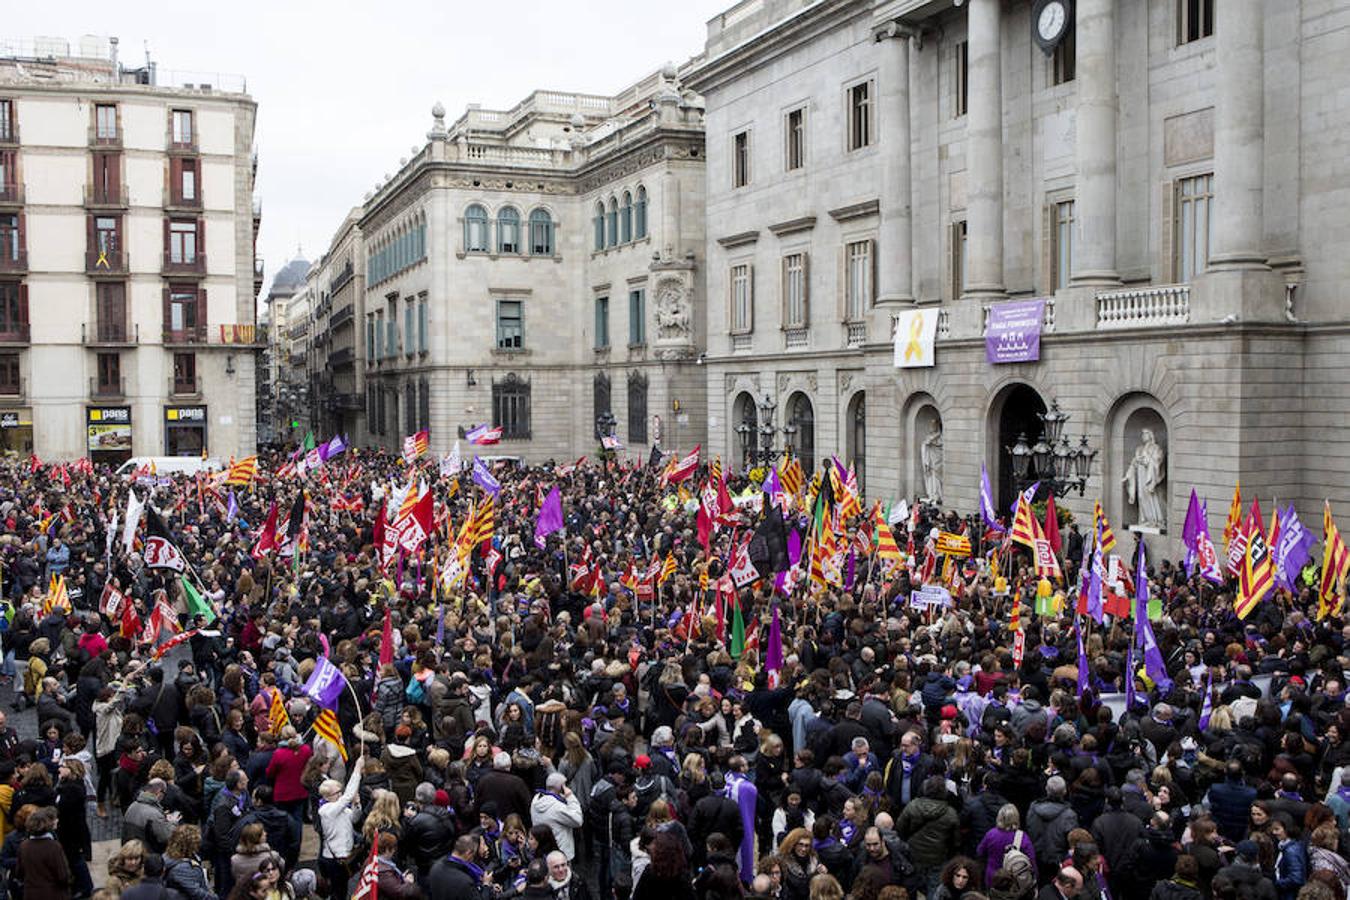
855	210
792	226
739	239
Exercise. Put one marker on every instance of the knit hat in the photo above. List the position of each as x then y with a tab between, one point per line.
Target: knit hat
643	761
442	797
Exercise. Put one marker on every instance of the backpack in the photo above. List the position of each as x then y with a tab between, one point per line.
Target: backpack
1019	865
415	691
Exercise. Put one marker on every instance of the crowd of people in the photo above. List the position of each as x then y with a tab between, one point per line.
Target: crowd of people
529	738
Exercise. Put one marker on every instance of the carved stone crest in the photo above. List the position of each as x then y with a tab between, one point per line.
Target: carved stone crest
672	309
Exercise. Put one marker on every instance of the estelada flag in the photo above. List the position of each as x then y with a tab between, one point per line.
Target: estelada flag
1255	579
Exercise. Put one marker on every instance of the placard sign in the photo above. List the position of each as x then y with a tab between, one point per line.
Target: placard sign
930	595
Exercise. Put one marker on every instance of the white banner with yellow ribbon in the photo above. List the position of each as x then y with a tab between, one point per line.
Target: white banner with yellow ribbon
915	331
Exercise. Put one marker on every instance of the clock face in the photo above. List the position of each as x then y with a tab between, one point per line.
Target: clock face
1051	21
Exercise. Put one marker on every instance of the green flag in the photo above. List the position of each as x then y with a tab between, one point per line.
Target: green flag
196	603
309	440
737	632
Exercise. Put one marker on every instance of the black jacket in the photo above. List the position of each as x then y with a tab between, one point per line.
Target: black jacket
450	878
1115	832
714	814
427	837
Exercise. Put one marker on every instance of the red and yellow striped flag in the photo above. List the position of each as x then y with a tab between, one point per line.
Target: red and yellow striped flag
242	472
276	713
485	521
1233	526
791	477
1255	578
1335	566
326	727
1024	525
667	569
1108	536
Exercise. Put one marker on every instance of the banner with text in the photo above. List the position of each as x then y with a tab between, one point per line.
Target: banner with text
1014	332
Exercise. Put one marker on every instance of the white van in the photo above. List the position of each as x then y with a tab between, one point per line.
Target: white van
171	465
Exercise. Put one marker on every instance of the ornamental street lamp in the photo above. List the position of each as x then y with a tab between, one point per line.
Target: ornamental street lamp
757	441
1052	460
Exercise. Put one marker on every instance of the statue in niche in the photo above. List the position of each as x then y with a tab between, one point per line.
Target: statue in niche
1144	480
930	455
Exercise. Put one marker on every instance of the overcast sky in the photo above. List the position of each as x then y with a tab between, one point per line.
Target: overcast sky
345	89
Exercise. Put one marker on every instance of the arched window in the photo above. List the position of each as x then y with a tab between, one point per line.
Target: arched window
746	417
637	408
612	224
802	419
599	226
423	404
541	233
640	215
409	408
626	219
857	436
508	230
475	229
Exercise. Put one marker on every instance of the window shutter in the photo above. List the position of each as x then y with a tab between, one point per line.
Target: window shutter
731	299
201	235
91	243
871	275
1167	251
953	259
750	290
201	310
168	316
166	238
806	290
1048	247
784	290
175	177
841	295
23	303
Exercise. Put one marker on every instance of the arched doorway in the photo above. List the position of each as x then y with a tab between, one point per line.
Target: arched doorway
1013	413
745	425
802	418
856	423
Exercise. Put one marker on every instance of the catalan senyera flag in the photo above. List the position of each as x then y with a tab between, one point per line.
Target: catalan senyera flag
276	713
326	726
57	597
716	469
485	520
1233	526
791	477
1024	526
1108	541
849	503
667	569
1256	577
409	502
242	472
1335	566
887	548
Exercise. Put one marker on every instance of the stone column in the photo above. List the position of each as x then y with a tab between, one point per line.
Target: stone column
1095	145
984	151
1239	149
896	248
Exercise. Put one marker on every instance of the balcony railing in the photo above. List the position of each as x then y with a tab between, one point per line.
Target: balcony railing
105	262
175	200
97	196
109	333
741	343
18	333
103	140
11	193
13	389
855	334
342	316
1147	307
343	356
185	146
177	264
9	132
13	262
796	337
195	334
185	387
105	389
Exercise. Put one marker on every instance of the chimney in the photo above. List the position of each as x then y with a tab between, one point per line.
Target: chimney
112	52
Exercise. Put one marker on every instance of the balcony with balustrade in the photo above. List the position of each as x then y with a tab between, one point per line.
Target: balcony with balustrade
1154	306
179	265
11	195
105	263
104	333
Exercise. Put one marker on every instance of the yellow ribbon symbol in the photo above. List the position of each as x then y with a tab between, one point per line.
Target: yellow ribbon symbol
103	260
912	347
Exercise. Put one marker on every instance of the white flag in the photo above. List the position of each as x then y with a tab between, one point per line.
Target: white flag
135	507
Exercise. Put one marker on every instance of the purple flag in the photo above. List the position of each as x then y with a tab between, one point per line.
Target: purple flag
1207	704
333	447
550	517
1153	660
1291	553
326	684
987	501
1082	659
794	545
1206	555
232	510
483	477
848	574
1129	676
773	654
1190	533
1096	576
1014	331
440	624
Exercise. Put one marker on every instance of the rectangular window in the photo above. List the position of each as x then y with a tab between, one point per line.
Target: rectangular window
740	160
105	122
370	337
423	340
1195	197
183	241
637	316
637	409
1064	59
7	129
9	374
9	237
858	286
795	132
860	115
185	373
13	316
511	407
794	290
107	177
182	127
1195	20
409	329
742	311
8	173
109	373
107	234
961	94
111	297
958	258
183	312
601	323
1062	237
510	325
187	180
391	335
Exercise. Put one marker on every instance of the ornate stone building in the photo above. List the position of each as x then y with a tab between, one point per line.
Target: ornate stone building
1168	176
538	268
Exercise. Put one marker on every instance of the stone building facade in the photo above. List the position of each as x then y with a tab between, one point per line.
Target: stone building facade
538	268
127	267
1170	177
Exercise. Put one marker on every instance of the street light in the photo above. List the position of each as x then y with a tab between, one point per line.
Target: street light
1052	460
1021	457
757	440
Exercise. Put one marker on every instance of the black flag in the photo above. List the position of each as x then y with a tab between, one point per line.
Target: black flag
655	459
768	547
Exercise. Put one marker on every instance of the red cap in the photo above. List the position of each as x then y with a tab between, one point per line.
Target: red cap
643	761
949	712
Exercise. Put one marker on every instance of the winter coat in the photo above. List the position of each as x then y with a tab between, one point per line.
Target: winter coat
1174	890
995	844
43	869
561	815
1115	832
285	769
932	830
144	821
404	768
1049	823
188	878
1230	802
389	701
1152	859
1250	881
427	837
451	877
1291	868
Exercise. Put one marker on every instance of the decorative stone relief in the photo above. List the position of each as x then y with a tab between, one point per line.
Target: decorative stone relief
672	309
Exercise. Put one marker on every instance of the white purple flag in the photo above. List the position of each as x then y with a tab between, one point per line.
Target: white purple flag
987	501
1291	553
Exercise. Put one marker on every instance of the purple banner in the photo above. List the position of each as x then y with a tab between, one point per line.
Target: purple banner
1014	332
